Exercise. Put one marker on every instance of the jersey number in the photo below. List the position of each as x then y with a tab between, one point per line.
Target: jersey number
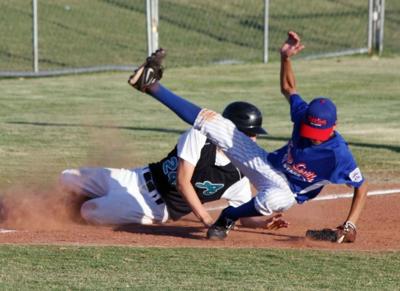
169	169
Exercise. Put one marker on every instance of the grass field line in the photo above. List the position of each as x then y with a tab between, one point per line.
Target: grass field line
333	197
350	195
4	230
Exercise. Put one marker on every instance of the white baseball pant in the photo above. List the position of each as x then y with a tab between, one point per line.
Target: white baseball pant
119	196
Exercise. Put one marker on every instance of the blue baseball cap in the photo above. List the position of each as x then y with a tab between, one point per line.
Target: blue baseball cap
319	120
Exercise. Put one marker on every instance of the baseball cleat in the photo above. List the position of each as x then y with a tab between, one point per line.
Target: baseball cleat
220	229
149	72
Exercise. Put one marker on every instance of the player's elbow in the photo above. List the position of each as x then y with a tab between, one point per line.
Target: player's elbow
363	189
284	90
287	90
181	184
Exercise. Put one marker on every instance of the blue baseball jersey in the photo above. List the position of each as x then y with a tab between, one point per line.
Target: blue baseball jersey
309	167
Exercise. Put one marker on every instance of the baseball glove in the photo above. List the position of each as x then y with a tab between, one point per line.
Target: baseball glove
344	233
149	72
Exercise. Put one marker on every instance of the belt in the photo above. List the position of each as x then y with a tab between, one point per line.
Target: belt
151	187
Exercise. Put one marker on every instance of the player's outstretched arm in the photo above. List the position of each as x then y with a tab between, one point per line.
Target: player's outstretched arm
358	203
291	47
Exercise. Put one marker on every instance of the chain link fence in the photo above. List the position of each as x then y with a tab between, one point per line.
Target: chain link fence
391	42
232	31
16	35
326	27
74	35
96	35
205	31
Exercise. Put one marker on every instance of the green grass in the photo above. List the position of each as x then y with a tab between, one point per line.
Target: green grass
95	268
81	33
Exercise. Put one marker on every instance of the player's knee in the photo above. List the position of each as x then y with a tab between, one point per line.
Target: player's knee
68	179
280	206
89	212
275	204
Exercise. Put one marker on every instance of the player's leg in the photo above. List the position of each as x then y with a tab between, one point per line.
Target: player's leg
277	197
119	209
274	200
89	182
128	201
185	109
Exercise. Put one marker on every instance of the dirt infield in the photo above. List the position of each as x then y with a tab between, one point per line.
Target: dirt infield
378	228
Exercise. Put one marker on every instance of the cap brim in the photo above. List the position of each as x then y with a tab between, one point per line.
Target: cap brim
257	130
315	133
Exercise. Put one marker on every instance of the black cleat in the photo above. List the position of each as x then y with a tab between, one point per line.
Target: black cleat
220	229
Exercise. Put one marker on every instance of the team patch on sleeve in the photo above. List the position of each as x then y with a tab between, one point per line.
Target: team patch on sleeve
356	175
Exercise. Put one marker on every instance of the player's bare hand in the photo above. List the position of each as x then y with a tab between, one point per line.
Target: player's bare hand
292	45
276	222
207	220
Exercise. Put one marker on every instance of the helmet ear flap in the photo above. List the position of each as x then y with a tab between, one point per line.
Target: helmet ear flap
246	117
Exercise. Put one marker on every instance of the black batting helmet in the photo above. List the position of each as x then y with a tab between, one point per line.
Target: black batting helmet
246	117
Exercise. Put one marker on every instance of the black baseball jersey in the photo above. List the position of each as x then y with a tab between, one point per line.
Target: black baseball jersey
209	180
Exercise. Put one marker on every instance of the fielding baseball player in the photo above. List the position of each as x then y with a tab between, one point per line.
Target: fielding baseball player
315	155
193	173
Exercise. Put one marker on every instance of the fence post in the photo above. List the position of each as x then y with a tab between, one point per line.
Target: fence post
35	34
266	28
152	25
370	24
375	26
380	25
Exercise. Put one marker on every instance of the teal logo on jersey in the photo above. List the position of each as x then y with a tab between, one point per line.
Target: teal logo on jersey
209	188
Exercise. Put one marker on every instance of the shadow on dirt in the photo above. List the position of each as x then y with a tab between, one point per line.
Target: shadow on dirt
276	236
190	232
